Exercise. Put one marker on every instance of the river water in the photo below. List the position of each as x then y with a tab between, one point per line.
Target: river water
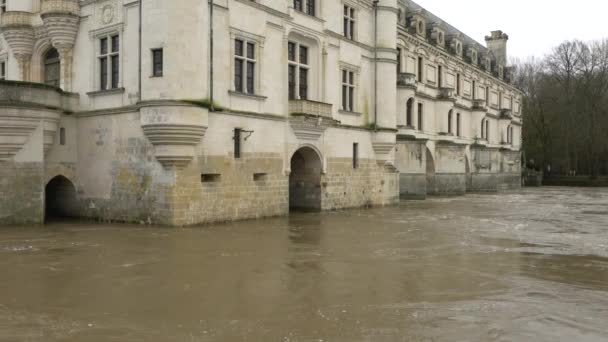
519	266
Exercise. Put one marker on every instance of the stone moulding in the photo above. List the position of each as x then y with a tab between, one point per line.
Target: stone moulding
61	6
175	130
308	127
18	32
383	144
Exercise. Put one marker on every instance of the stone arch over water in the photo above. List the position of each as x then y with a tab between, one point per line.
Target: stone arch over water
60	199
305	180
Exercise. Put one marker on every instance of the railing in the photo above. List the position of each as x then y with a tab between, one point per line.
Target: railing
308	107
479	105
506	114
406	80
16	18
61	6
447	94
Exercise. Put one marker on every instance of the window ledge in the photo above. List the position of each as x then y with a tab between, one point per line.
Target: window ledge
157	76
249	96
346	112
106	92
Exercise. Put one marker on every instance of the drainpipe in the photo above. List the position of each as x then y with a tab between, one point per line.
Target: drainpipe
376	65
211	56
140	49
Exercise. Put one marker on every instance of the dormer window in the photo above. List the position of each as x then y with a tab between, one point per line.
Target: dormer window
418	24
456	45
438	35
472	55
501	72
488	64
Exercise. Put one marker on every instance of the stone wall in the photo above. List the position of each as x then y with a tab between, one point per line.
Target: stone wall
21	192
410	160
367	185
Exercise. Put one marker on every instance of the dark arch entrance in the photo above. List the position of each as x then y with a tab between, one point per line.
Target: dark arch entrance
305	180
60	199
52	68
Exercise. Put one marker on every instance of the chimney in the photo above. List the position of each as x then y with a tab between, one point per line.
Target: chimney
497	43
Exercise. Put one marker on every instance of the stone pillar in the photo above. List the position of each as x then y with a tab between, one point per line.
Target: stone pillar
66	60
25	67
383	140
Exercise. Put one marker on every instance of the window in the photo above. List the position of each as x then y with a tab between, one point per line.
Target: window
483	130
2	70
458	124
157	62
499	100
237	143
355	155
2	6
62	136
450	121
52	68
420	118
474	90
348	91
440	76
399	60
308	5
297	71
420	67
487	130
487	96
109	62
408	114
244	66
457	84
349	22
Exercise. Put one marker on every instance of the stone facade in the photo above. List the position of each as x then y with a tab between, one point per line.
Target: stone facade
105	109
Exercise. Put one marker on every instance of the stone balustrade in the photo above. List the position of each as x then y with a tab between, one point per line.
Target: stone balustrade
308	107
479	105
447	94
61	6
406	80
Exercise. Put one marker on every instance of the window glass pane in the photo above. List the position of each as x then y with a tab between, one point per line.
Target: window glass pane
250	77
238	75
352	13
250	51
292	82
344	94
103	46
351	95
351	79
310	7
351	33
297	4
103	73
238	47
346	10
291	51
303	55
303	84
115	71
115	44
158	62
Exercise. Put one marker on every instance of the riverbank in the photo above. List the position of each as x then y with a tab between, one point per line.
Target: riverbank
575	181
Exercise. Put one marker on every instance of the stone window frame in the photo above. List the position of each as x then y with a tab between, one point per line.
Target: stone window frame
3	66
349	21
153	52
305	7
356	72
258	42
298	67
95	37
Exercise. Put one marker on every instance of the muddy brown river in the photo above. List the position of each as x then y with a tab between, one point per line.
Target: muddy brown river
520	266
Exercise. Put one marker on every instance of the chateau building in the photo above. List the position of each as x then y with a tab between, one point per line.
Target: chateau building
106	111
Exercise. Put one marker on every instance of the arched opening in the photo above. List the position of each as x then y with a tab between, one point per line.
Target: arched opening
430	172
305	180
60	199
52	68
410	109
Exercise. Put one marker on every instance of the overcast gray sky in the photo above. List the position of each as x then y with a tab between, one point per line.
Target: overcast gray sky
533	26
